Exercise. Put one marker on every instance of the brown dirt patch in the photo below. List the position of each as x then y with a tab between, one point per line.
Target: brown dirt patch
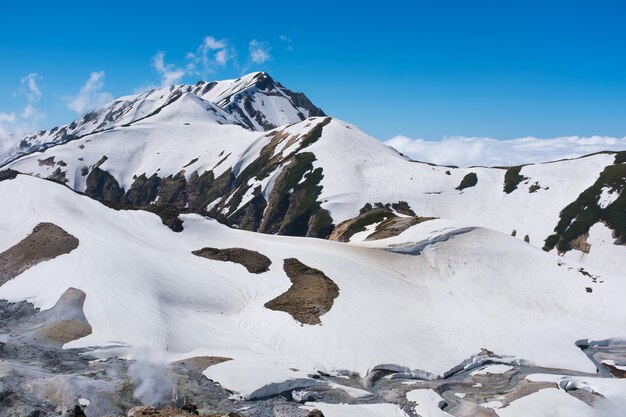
63	331
395	226
253	261
47	241
310	296
581	243
200	363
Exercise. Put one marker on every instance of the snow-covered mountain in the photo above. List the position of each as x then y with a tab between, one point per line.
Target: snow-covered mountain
205	149
254	101
436	290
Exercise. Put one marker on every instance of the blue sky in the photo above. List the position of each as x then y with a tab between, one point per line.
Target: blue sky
426	69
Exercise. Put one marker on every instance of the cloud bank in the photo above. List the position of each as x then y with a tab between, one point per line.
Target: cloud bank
468	151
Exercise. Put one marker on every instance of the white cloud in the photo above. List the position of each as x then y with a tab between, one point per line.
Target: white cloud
259	51
7	117
287	42
211	43
468	151
90	95
29	87
14	126
211	54
169	73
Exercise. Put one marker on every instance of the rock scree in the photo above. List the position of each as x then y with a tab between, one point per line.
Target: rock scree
310	296
253	261
47	241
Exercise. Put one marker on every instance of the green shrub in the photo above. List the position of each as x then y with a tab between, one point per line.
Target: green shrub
512	178
469	180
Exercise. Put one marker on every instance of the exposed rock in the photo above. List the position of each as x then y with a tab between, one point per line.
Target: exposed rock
58	176
581	244
315	413
47	241
46	162
310	296
346	229
8	174
103	186
394	226
253	261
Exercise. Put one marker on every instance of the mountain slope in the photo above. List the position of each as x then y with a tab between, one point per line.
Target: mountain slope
306	178
439	291
254	101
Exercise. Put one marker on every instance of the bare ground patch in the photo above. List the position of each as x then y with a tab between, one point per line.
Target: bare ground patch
253	261
47	241
395	226
200	363
63	331
310	296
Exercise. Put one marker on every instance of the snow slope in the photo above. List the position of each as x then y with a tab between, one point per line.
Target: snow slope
192	135
427	299
254	101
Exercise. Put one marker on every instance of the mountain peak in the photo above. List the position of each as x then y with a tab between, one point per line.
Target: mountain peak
254	101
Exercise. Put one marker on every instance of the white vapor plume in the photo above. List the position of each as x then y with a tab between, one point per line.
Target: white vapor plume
151	379
90	95
469	151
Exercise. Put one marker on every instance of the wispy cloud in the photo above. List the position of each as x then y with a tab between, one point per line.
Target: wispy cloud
29	87
259	51
468	151
15	125
211	55
287	43
90	95
169	73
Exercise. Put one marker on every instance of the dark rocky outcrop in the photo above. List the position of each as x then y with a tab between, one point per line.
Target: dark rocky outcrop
253	261
8	174
103	186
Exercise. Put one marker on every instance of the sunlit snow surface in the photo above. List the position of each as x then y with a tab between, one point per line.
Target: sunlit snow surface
476	289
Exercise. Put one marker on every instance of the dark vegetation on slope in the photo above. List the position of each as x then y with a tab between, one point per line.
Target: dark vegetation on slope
345	230
577	218
310	296
291	208
46	241
8	174
468	181
512	178
390	224
253	261
394	226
